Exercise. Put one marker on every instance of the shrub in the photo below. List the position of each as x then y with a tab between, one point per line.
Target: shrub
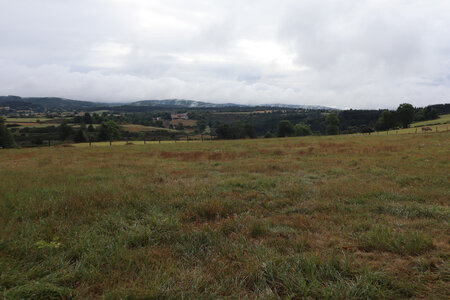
302	129
285	128
6	138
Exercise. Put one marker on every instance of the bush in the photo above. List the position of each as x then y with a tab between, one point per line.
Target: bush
285	128
236	131
6	138
269	135
302	129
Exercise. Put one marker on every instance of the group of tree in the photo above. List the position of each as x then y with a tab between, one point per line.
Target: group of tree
404	116
237	130
332	122
285	129
6	138
108	131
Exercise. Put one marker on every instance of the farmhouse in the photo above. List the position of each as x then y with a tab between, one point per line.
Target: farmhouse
183	116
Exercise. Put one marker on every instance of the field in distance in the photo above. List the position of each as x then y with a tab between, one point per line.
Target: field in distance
346	217
443	119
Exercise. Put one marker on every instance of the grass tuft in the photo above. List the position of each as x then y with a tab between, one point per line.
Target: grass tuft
386	239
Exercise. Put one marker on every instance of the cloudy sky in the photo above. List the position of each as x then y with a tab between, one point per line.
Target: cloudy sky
352	53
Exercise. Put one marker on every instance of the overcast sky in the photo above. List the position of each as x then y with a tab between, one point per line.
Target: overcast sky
345	54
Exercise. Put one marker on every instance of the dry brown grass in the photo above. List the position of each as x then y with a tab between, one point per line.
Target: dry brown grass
356	217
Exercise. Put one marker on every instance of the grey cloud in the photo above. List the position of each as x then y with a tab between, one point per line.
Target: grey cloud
338	53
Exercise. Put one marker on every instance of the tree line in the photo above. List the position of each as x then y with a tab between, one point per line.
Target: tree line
404	116
278	123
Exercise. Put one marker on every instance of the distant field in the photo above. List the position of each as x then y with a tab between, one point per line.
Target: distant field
440	128
186	123
343	217
142	128
31	124
443	119
131	143
243	112
26	120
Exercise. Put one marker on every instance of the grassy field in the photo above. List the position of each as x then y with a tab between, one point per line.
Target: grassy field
415	129
142	128
131	143
346	217
23	125
443	119
26	120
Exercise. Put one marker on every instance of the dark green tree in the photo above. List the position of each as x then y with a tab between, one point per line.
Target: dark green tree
332	122
269	135
91	128
405	114
386	121
109	131
430	113
6	138
285	128
201	125
87	119
249	131
237	130
81	135
302	129
65	130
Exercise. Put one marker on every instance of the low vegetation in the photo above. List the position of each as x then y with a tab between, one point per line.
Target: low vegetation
341	217
35	122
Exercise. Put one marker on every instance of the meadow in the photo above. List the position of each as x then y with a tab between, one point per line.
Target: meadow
343	217
443	119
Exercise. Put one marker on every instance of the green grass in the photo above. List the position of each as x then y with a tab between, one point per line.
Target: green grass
414	129
385	239
26	120
142	128
133	143
443	119
344	217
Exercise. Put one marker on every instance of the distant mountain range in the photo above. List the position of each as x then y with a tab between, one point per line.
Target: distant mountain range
181	103
52	103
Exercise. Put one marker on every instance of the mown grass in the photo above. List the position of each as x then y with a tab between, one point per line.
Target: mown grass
348	217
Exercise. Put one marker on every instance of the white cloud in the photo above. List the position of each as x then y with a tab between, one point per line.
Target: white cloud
338	53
